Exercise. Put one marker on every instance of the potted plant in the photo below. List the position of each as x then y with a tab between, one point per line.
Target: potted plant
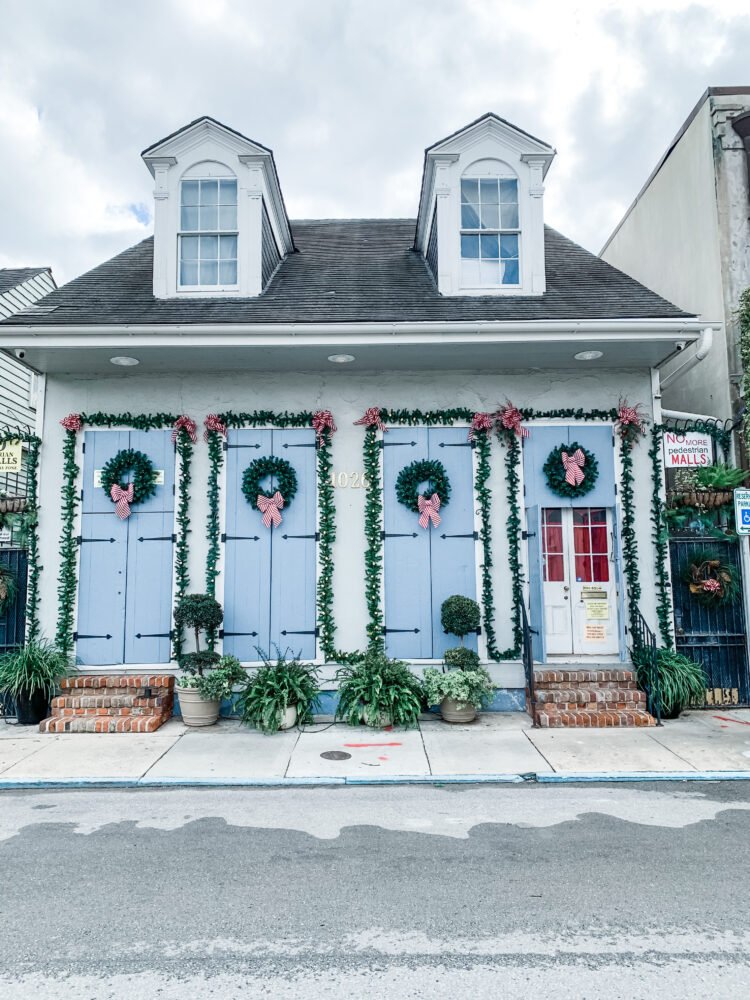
201	613
682	681
708	487
201	694
379	692
460	693
279	695
30	675
459	615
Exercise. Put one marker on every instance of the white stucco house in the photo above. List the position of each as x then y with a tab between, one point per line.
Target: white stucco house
403	333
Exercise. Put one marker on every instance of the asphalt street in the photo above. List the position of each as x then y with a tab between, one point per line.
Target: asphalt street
373	892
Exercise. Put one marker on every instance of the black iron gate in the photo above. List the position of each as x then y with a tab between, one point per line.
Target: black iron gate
714	636
13	619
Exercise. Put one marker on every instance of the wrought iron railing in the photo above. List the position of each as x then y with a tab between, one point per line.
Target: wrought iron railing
646	661
527	656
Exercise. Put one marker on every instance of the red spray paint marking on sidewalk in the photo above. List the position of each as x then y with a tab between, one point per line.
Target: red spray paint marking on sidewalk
725	718
360	745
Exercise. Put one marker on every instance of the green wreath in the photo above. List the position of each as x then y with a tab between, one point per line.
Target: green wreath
427	471
555	471
709	579
260	469
130	460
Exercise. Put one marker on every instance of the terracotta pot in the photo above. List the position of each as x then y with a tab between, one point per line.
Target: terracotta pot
197	711
289	717
452	713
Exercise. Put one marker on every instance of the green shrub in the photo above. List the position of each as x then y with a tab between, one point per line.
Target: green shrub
459	615
196	663
216	684
37	666
466	687
720	477
274	687
378	687
200	612
682	681
461	658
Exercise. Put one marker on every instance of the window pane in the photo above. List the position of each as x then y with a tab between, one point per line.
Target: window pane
508	246
553	538
490	216
209	192
228	193
469	190
190	192
209	218
469	216
488	191
228	247
598	515
189	273
209	272
600	569
209	247
599	538
469	246
470	272
228	217
509	216
509	192
490	272
228	272
510	272
581	539
189	218
554	569
583	569
189	247
489	246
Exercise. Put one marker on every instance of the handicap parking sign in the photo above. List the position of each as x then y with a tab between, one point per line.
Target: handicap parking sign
742	511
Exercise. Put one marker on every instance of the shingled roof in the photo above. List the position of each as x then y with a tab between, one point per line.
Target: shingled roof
12	276
350	270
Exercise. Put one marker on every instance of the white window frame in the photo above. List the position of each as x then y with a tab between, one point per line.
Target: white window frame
200	232
502	175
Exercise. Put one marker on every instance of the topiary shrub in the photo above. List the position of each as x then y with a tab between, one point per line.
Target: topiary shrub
459	615
461	658
200	612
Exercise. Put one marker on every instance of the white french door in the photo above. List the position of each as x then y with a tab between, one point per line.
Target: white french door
579	587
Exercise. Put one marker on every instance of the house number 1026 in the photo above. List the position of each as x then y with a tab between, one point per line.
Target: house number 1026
350	480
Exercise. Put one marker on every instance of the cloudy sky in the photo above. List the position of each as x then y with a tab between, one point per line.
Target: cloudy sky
346	92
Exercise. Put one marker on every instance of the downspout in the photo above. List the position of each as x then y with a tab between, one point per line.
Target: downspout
704	345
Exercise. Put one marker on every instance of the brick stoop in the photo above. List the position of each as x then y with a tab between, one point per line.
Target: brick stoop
587	698
128	703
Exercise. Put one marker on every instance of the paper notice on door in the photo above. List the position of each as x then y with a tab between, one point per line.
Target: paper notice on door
158	478
597	610
594	633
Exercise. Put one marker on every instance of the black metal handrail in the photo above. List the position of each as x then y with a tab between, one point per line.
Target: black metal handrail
527	656
646	660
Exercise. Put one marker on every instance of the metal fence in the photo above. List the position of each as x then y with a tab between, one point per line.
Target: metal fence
13	619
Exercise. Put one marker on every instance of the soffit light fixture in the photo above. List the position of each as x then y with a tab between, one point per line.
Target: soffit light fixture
341	359
123	361
588	355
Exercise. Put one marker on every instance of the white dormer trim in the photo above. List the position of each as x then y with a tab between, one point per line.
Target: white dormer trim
528	158
207	141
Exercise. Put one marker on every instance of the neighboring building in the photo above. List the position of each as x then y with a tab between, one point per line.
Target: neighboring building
233	310
687	235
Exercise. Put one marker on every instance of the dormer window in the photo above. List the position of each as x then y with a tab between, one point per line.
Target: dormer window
490	231
208	233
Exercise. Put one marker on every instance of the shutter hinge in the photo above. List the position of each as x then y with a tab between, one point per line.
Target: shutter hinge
386	630
528	534
396	534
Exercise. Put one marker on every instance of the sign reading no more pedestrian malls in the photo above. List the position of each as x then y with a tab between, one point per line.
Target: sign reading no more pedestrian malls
687	450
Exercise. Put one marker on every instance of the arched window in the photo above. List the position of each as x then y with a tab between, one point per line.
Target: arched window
490	227
208	228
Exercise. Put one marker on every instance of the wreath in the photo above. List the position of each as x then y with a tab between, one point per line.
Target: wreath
711	581
262	468
427	471
141	488
571	470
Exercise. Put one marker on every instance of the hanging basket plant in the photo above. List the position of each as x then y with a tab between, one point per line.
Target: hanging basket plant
571	470
711	581
437	494
123	494
271	501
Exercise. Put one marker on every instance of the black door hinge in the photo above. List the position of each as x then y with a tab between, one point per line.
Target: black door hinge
398	444
528	534
471	534
77	636
459	444
80	540
414	630
314	631
159	538
239	538
316	536
154	635
396	534
227	446
310	445
223	634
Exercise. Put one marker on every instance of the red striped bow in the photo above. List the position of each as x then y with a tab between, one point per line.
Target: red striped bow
122	499
510	417
372	419
428	510
185	424
323	422
573	465
214	423
480	423
72	422
270	508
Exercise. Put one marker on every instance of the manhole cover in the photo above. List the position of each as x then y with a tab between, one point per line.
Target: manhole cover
335	755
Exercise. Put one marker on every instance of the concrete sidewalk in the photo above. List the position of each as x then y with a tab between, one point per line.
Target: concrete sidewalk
497	747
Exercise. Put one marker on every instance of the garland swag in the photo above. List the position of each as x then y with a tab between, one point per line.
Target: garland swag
184	437
322	423
31	523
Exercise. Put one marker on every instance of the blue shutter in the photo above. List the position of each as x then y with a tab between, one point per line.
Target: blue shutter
294	549
159	448
599	441
148	609
406	553
536	449
452	544
99	447
536	578
247	553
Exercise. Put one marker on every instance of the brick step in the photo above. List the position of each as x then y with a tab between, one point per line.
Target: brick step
592	697
103	724
593	719
110	700
566	679
102	713
117	681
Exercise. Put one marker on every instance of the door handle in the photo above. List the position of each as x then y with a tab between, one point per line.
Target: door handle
566	589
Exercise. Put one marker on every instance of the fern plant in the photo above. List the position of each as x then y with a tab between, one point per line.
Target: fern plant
37	666
276	686
682	681
378	690
8	588
720	477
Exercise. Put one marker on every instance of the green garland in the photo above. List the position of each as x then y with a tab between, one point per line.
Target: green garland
181	571
130	460
67	579
31	522
374	550
554	470
326	511
513	536
629	540
484	496
261	469
430	471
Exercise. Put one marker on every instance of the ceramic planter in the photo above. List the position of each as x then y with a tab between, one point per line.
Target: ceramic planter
288	718
31	707
452	713
197	711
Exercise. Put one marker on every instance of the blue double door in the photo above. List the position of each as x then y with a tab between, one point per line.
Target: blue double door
270	573
125	566
424	566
